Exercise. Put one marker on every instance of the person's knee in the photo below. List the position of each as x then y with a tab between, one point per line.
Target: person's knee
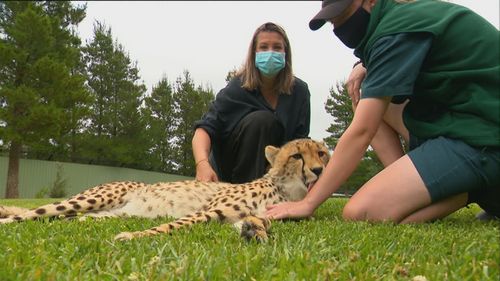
354	212
368	211
259	119
262	123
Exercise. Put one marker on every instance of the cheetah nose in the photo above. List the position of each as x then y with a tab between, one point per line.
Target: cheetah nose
317	171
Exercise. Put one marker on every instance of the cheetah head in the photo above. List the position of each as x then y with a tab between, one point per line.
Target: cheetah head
297	165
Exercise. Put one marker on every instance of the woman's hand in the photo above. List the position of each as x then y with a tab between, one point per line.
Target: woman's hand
299	209
354	81
204	172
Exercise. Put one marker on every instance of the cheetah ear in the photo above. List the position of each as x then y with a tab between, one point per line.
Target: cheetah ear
271	153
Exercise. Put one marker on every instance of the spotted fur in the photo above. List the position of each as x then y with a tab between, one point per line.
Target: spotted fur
293	167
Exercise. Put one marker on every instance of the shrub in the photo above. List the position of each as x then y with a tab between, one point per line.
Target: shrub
42	193
58	189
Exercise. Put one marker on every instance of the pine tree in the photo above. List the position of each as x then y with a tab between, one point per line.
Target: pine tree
65	145
115	134
38	87
97	56
160	119
339	106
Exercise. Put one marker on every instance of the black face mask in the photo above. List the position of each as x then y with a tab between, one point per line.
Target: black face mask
354	29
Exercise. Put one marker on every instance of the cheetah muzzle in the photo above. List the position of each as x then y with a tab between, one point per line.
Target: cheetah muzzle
294	167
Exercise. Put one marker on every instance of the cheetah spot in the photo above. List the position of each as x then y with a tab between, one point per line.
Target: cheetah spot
60	208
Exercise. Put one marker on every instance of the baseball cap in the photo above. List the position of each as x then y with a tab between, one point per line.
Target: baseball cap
329	10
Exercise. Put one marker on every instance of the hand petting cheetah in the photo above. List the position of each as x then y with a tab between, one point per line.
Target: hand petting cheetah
294	167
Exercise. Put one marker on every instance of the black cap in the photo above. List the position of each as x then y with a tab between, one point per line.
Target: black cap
329	10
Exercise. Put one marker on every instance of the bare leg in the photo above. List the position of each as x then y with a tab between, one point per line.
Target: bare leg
394	118
438	210
392	195
387	145
397	193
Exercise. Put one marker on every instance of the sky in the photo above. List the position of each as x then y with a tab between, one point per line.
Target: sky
210	38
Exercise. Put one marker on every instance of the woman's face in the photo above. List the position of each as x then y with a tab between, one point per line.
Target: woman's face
270	41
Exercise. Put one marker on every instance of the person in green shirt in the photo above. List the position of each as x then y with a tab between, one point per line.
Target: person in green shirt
432	78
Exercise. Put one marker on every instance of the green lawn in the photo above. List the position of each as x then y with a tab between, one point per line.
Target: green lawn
322	248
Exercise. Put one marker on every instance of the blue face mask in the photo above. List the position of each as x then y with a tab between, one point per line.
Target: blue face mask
354	29
269	63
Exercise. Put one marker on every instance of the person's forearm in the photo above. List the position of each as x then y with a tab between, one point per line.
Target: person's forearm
347	155
201	145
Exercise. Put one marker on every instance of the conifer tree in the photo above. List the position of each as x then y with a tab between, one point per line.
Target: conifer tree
339	106
39	87
115	134
160	119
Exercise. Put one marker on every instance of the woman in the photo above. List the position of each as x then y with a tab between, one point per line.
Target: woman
437	58
263	104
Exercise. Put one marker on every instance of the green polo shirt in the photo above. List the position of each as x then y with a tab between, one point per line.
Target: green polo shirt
456	91
404	52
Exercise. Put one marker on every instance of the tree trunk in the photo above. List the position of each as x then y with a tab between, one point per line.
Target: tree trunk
12	190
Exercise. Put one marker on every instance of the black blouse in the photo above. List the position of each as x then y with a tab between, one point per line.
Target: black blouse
233	103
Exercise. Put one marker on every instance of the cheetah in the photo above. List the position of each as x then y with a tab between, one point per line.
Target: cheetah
293	167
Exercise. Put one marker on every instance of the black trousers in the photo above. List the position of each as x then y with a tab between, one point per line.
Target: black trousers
240	157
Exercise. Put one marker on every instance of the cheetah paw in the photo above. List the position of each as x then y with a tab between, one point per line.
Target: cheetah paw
251	231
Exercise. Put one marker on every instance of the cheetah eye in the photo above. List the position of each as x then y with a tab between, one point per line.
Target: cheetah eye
297	156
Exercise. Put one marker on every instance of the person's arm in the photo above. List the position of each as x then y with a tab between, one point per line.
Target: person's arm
206	128
347	155
201	150
404	52
358	74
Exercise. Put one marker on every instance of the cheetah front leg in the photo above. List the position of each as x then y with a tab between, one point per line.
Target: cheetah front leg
198	217
252	227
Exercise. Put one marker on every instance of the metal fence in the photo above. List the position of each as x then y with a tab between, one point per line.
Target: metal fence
35	175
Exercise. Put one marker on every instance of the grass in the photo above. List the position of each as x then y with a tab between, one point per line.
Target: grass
323	248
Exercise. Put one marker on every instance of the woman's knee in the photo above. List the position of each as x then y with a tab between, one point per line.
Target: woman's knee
259	119
369	210
354	211
261	122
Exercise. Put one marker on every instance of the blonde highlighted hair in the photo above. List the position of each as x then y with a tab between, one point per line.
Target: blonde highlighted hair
250	75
